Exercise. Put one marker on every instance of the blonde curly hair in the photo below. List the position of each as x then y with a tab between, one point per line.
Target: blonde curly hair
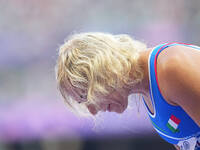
96	63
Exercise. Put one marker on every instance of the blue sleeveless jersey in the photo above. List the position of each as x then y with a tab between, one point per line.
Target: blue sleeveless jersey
172	123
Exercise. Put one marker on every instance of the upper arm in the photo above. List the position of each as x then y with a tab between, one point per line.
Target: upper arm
180	79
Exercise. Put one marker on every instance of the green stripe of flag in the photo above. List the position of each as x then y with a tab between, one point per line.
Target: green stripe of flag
171	128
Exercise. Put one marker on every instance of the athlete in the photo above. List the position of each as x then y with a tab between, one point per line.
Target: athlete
98	71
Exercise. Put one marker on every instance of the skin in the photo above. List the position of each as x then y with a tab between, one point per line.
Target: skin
117	102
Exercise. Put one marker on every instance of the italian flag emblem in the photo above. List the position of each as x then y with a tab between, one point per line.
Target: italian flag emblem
173	123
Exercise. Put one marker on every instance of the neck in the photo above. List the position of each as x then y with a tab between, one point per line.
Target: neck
143	86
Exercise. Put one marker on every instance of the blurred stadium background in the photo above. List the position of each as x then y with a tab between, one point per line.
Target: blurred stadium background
32	113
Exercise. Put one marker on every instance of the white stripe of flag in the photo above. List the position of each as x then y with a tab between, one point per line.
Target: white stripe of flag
173	124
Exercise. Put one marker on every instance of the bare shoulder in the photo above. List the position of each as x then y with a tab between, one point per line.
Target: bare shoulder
167	62
177	55
179	78
178	62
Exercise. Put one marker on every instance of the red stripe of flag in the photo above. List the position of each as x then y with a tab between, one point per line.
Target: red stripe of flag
176	120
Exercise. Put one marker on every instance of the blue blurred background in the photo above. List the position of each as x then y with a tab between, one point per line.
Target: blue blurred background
33	114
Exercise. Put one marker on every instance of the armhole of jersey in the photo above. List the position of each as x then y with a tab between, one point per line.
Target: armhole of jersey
160	48
155	63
